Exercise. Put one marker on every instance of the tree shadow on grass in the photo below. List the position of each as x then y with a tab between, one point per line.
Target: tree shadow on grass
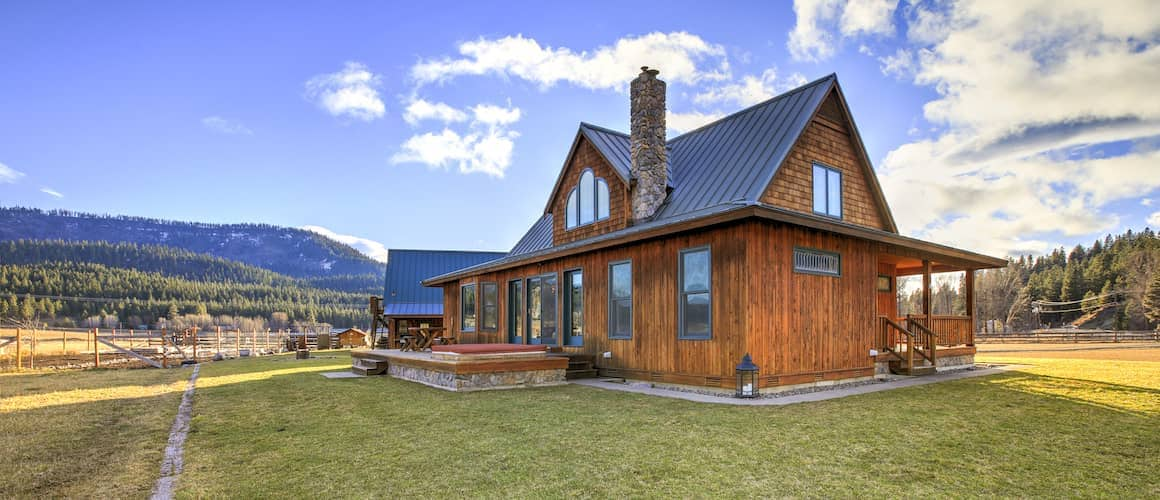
1141	401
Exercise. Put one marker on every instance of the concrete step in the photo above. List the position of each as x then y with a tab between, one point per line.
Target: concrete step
365	366
575	374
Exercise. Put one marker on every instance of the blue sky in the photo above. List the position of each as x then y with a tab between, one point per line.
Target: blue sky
427	125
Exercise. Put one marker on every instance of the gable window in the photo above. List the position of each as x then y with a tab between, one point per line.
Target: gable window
827	191
620	300
490	310
467	308
695	307
587	202
810	261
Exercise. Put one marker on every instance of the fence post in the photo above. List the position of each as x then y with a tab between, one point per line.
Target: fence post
164	352
238	343
63	342
219	340
130	338
96	349
268	340
19	354
32	350
195	342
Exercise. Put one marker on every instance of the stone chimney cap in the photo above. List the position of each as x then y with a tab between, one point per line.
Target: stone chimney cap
653	72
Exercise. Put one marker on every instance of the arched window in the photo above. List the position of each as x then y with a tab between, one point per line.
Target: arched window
572	216
587	202
601	199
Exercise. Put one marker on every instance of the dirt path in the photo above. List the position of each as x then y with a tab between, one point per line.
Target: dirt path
173	462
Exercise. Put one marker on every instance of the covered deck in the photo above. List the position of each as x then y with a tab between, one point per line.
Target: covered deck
915	340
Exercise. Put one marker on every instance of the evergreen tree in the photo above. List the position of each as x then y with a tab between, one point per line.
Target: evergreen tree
27	309
1152	300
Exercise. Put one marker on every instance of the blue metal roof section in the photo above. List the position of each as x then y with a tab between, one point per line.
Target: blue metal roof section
538	237
414	309
406	269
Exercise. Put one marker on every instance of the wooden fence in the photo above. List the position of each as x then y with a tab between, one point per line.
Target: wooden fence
1069	336
32	348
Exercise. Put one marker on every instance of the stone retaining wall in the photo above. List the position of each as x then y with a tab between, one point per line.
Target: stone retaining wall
476	381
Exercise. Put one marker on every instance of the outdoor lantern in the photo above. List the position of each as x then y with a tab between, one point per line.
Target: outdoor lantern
747	378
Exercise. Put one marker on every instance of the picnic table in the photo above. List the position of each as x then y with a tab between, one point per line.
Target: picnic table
422	338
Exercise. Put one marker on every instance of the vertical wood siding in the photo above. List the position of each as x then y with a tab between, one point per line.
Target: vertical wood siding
798	327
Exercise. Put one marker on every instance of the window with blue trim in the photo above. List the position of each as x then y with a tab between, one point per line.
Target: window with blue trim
695	309
827	191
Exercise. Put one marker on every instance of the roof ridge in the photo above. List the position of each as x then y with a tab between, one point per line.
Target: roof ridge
441	251
603	129
803	87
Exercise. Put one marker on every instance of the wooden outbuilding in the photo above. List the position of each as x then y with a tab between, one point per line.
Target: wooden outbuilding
765	232
351	337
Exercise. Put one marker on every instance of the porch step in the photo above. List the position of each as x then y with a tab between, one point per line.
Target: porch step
899	368
575	374
365	366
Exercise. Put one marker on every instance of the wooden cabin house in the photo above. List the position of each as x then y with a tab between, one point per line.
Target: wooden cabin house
765	232
406	302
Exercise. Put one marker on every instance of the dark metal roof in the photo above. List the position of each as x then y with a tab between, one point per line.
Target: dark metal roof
407	268
538	237
733	159
717	168
615	146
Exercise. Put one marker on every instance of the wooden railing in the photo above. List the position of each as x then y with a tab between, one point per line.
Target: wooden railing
905	340
949	330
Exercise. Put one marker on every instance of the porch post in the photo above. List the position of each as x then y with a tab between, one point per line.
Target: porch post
926	290
970	286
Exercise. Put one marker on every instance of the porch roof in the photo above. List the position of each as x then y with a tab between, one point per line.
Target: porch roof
889	243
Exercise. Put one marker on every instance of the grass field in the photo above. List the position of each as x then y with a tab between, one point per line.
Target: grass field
274	426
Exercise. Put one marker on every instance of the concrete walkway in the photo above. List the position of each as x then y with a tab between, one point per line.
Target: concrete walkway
173	462
820	395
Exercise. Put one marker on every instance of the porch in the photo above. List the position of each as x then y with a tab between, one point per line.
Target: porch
923	342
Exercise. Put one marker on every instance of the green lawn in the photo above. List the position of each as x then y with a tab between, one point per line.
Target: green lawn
84	434
274	427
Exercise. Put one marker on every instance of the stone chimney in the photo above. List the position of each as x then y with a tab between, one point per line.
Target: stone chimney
650	160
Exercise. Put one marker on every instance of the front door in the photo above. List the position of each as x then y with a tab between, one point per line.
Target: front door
542	295
515	310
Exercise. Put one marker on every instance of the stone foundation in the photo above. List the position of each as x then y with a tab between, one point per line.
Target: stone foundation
951	363
477	381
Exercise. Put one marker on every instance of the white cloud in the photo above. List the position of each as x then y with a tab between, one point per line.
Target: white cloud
1025	91
1147	202
749	90
684	58
350	92
813	38
485	147
51	192
9	175
684	122
225	126
491	114
419	110
1154	220
368	247
869	17
809	41
899	65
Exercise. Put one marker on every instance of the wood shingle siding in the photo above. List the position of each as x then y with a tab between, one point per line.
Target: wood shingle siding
826	142
586	156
